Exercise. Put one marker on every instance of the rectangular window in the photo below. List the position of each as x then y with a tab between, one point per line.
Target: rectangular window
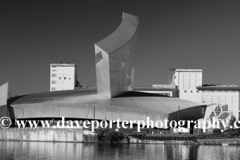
185	82
53	82
221	98
53	89
228	98
192	75
235	99
192	87
186	75
215	98
98	57
198	75
54	75
185	87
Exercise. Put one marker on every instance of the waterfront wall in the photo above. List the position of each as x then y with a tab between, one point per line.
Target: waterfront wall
232	141
64	135
134	140
85	136
46	135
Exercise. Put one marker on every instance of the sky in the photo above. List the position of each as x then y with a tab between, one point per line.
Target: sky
196	34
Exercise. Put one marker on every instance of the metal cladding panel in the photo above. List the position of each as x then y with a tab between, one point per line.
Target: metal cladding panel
102	73
154	105
58	96
68	104
4	111
120	50
119	77
174	103
122	103
121	69
3	94
121	54
53	110
126	30
117	89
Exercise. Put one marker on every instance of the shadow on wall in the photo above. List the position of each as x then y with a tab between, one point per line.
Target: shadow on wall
138	94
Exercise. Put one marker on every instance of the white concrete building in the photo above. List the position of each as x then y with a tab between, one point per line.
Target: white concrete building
187	81
223	101
62	76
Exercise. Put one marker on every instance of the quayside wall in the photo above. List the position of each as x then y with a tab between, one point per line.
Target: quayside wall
86	136
46	135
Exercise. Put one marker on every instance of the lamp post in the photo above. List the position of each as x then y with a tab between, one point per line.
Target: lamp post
178	112
94	115
178	117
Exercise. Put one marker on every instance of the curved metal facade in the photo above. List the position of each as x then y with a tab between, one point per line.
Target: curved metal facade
114	57
82	105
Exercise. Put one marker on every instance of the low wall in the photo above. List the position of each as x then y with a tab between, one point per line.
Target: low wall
140	141
46	135
80	136
232	141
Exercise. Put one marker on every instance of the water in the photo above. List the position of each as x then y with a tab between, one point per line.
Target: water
71	151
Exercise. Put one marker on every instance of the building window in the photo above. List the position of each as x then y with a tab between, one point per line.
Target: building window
53	82
98	57
185	91
64	77
54	70
53	89
191	91
59	77
53	75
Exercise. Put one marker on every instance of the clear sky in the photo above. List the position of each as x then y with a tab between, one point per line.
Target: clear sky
198	34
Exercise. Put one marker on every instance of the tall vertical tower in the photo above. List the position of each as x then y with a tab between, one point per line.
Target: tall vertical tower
187	81
62	76
114	58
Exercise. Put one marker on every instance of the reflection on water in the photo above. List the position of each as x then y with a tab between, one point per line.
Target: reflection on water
70	151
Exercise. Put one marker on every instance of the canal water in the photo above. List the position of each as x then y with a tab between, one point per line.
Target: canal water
10	150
